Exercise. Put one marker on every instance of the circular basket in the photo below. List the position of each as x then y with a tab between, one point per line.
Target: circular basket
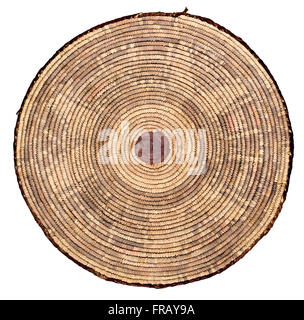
154	149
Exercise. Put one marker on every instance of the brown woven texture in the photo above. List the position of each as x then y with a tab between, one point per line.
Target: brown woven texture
152	224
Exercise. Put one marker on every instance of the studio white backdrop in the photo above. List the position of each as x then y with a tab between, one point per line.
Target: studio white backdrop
30	266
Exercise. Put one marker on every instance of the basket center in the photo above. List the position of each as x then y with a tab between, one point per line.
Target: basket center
152	147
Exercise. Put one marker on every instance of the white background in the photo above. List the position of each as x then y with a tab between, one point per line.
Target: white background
30	267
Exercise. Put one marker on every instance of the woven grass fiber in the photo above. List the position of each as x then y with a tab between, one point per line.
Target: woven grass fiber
152	223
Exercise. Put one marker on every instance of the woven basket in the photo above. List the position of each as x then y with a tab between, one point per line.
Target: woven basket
150	222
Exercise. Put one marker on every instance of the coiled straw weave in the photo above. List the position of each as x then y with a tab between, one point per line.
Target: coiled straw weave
153	224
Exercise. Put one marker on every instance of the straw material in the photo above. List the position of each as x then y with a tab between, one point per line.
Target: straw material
153	224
